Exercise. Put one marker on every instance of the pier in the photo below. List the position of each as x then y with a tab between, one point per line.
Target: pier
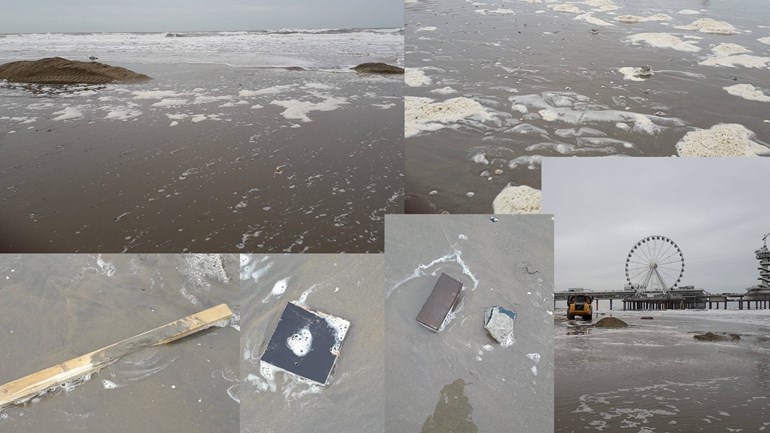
686	298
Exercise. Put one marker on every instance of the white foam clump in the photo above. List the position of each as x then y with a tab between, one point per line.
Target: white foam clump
444	91
722	140
122	113
663	40
728	49
632	73
517	200
427	29
567	7
688	12
415	77
631	19
170	102
68	113
748	92
266	91
299	110
531	161
765	40
708	25
593	20
155	94
108	384
733	55
605	5
340	327
300	342
576	109
280	287
423	114
548	114
480	158
499	11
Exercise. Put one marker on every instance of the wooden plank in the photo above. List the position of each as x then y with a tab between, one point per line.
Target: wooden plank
440	302
21	390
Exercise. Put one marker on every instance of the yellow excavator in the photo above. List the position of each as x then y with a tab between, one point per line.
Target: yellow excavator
579	305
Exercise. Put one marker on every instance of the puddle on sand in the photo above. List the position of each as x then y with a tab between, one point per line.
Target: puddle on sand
453	411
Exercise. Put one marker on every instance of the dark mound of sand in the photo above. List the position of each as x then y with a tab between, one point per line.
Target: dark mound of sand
378	68
710	336
295	68
646	318
56	70
611	322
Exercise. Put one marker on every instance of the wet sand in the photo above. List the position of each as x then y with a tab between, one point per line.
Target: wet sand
200	159
56	307
460	379
541	75
347	286
655	377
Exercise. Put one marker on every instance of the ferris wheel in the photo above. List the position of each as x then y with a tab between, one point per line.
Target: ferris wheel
654	264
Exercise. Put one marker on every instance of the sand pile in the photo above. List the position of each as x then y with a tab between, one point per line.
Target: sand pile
710	336
611	322
378	68
56	70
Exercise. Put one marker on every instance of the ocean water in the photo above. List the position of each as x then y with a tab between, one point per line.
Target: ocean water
655	377
57	307
220	151
460	379
492	88
310	48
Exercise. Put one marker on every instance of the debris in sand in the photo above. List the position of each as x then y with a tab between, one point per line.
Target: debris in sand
579	330
748	92
722	336
610	322
499	323
724	139
646	317
56	70
708	25
378	68
521	199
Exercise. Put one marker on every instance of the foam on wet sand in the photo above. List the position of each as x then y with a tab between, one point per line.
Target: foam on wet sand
521	199
708	25
722	140
748	92
423	114
663	40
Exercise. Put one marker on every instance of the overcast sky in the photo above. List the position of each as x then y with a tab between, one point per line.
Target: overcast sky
716	210
178	15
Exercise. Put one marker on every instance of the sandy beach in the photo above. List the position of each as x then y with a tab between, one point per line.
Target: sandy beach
346	286
461	379
57	307
655	377
493	88
223	150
